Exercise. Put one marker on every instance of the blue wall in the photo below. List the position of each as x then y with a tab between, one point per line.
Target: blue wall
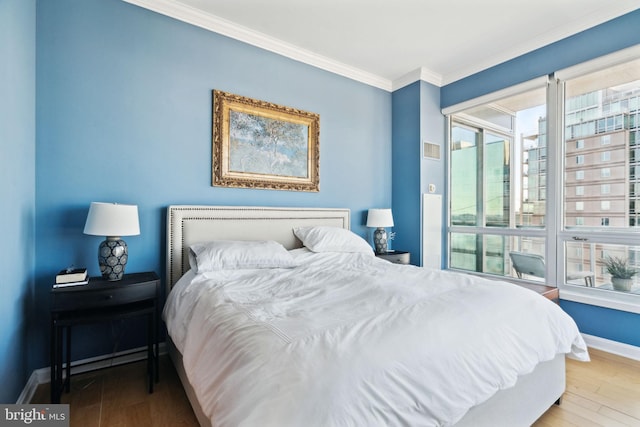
17	189
615	325
416	118
600	40
406	170
124	115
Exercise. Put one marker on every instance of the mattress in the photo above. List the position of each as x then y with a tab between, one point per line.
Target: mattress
350	339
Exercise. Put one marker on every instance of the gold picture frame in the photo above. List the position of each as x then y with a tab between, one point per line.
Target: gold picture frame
257	144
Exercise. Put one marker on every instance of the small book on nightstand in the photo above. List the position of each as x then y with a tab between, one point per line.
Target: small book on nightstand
71	275
64	285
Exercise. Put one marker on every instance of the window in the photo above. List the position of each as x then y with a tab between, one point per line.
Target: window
618	194
498	166
598	111
464	187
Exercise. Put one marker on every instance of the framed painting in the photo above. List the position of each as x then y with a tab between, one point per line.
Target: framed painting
258	144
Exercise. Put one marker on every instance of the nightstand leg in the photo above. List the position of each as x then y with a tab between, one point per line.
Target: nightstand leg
150	355
156	321
56	368
68	380
54	361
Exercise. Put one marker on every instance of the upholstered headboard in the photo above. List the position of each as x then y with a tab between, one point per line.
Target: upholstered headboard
187	225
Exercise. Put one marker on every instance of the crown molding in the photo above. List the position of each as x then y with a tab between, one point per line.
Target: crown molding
422	73
227	28
182	12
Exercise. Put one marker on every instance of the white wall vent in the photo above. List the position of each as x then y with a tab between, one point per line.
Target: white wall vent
431	150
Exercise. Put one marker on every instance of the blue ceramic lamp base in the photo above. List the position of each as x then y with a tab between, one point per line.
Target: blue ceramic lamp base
380	240
113	255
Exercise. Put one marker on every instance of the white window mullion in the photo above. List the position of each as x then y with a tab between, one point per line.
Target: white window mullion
555	143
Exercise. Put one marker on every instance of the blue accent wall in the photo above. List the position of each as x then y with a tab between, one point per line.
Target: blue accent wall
616	325
124	115
603	39
17	189
416	118
600	40
406	170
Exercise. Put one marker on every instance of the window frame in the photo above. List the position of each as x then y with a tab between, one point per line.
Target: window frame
484	230
556	235
612	236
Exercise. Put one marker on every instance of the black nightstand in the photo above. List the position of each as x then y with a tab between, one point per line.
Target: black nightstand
100	300
396	257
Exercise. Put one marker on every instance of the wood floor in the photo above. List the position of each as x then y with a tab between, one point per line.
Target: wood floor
118	397
604	392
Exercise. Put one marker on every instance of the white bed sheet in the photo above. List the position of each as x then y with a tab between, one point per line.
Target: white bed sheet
350	339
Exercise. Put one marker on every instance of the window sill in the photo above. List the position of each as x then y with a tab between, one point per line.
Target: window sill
607	299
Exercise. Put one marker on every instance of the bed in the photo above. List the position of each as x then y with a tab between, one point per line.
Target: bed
518	403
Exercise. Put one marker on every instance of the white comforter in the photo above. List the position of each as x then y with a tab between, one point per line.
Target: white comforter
353	340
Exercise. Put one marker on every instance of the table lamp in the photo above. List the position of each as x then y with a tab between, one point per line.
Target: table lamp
112	220
380	218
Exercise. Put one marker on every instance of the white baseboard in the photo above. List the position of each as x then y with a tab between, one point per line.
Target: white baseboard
43	375
613	347
29	389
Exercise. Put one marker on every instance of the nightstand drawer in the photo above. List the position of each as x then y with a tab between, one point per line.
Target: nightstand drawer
94	298
396	257
101	293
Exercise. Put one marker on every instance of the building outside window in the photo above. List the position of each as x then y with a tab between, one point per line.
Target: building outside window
501	205
491	175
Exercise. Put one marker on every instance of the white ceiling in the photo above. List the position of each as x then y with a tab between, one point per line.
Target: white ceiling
389	43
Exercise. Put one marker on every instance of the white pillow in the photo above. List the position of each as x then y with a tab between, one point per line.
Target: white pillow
232	254
331	239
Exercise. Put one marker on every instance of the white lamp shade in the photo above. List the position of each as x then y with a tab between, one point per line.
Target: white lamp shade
112	220
379	218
